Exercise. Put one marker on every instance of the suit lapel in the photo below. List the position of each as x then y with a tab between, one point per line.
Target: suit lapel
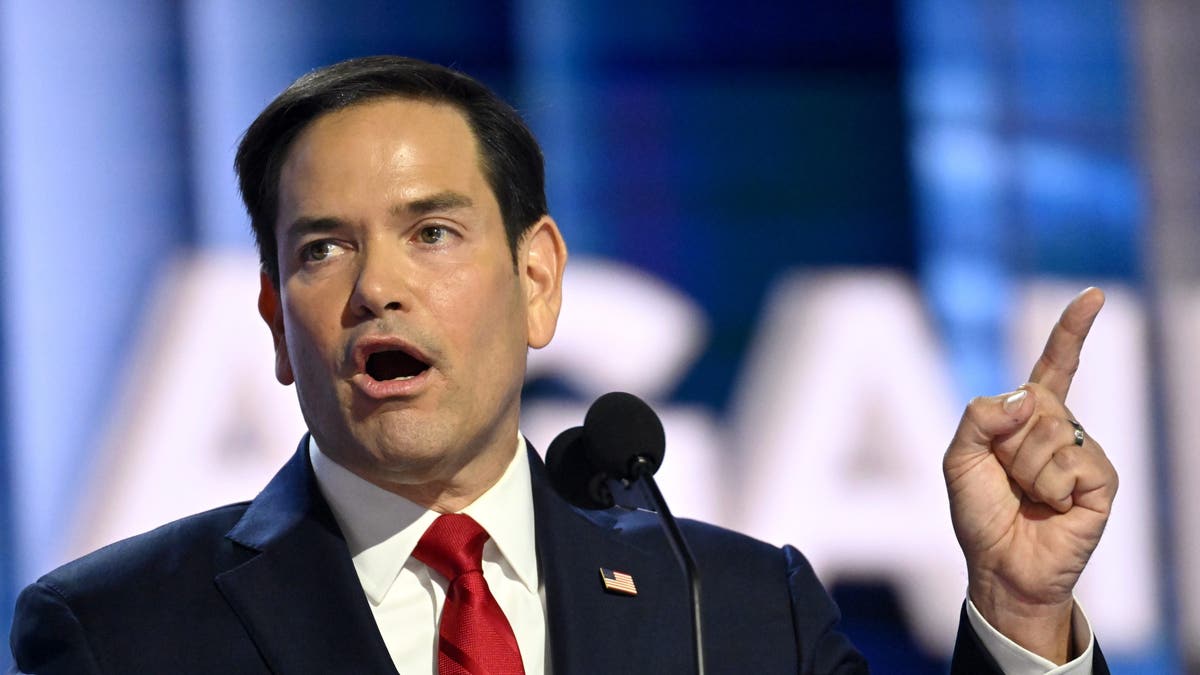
303	606
591	630
300	598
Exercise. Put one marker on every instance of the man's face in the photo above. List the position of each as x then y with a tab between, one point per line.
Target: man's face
399	314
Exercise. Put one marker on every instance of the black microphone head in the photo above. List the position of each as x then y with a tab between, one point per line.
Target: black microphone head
618	429
573	475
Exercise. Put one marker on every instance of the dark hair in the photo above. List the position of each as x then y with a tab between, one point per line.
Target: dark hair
510	158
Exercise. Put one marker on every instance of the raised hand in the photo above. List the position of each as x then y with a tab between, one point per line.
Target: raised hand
1029	496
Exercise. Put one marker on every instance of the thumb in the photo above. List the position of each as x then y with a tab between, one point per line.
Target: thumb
990	417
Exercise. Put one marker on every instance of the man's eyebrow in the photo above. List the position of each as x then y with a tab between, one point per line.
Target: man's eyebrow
442	201
304	226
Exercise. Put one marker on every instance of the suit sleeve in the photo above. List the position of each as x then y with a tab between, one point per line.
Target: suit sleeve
970	656
47	638
821	647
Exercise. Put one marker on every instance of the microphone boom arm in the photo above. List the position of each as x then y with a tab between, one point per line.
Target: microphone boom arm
644	469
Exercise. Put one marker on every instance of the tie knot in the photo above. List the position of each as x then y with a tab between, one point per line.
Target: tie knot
452	546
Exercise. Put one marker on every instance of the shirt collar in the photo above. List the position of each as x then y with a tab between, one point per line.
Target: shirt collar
383	528
506	512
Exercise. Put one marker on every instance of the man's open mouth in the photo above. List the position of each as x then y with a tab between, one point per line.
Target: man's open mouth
394	364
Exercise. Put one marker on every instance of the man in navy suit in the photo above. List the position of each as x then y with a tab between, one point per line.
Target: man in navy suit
409	263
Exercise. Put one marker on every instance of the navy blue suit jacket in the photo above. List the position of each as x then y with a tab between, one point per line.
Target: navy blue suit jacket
268	586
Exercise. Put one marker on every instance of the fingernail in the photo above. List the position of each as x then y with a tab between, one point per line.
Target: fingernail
1013	402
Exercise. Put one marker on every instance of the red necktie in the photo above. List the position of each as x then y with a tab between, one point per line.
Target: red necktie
474	637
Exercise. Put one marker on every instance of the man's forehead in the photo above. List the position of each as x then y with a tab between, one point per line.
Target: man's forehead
439	131
430	142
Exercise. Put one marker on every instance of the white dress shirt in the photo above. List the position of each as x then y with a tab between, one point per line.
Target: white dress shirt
383	528
1014	659
405	596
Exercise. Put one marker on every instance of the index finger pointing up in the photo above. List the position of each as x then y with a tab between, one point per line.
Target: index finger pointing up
1060	358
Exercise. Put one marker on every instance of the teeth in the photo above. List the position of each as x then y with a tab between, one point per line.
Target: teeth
405	377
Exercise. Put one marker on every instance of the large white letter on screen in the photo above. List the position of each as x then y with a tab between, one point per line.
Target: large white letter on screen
201	421
625	330
842	416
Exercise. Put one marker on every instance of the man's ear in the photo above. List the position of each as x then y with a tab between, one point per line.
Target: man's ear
543	256
271	310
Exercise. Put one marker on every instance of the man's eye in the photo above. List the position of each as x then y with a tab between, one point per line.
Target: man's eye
433	234
318	251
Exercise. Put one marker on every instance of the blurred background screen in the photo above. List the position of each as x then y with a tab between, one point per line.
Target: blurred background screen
806	232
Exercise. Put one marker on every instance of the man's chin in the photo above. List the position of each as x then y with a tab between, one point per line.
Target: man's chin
409	459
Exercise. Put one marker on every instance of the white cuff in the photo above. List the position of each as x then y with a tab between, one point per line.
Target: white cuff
1016	660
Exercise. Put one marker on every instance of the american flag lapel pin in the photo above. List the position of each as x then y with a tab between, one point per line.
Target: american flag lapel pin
617	582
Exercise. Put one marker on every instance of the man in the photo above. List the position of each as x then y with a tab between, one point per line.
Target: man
408	264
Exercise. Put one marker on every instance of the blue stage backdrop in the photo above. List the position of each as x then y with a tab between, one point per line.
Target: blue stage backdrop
808	232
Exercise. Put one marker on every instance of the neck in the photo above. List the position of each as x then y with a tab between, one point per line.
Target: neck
439	486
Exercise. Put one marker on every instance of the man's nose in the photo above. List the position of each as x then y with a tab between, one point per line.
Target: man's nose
383	282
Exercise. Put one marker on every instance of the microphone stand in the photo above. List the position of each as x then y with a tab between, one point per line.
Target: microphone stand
644	469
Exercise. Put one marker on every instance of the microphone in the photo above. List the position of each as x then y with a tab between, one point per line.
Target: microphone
574	476
623	436
622	439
